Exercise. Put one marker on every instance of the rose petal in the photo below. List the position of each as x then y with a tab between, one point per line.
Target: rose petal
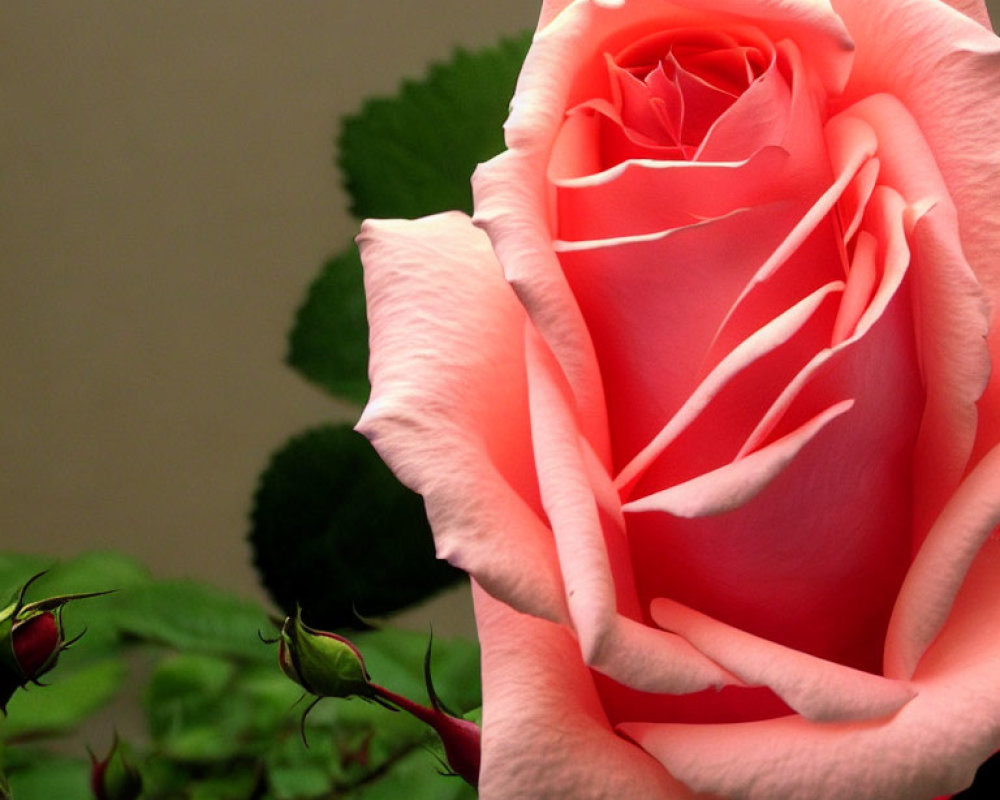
861	282
627	651
852	144
939	65
940	567
931	747
974	9
951	312
738	375
675	194
735	484
652	316
545	735
448	410
508	193
774	565
758	118
511	198
818	689
887	215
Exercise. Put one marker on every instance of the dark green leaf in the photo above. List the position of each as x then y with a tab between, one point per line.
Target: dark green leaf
328	344
335	532
413	154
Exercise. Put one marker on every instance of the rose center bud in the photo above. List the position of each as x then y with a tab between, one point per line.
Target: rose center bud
667	91
745	290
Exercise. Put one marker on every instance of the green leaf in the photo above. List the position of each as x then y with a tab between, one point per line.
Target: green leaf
415	776
61	706
192	616
328	344
91	572
305	780
100	571
413	154
49	777
335	532
182	701
16	569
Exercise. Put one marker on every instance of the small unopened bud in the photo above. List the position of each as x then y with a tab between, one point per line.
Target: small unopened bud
114	777
31	639
322	663
328	665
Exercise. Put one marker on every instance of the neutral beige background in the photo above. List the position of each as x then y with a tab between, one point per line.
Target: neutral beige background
166	193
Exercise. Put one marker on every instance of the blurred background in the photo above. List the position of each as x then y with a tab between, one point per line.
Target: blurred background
167	192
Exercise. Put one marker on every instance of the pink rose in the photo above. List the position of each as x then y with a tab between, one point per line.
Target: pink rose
701	399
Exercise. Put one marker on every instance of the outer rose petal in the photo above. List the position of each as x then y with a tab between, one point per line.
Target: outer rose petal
545	736
931	747
448	411
944	67
974	9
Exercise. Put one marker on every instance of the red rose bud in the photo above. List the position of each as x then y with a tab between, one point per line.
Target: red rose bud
31	639
36	643
114	778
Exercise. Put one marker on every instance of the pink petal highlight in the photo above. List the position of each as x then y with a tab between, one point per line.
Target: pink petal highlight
511	207
973	9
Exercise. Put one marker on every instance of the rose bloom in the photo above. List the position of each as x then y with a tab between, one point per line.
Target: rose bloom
701	399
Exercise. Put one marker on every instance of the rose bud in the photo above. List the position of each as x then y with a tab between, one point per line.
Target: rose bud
114	777
31	639
322	663
328	665
705	397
